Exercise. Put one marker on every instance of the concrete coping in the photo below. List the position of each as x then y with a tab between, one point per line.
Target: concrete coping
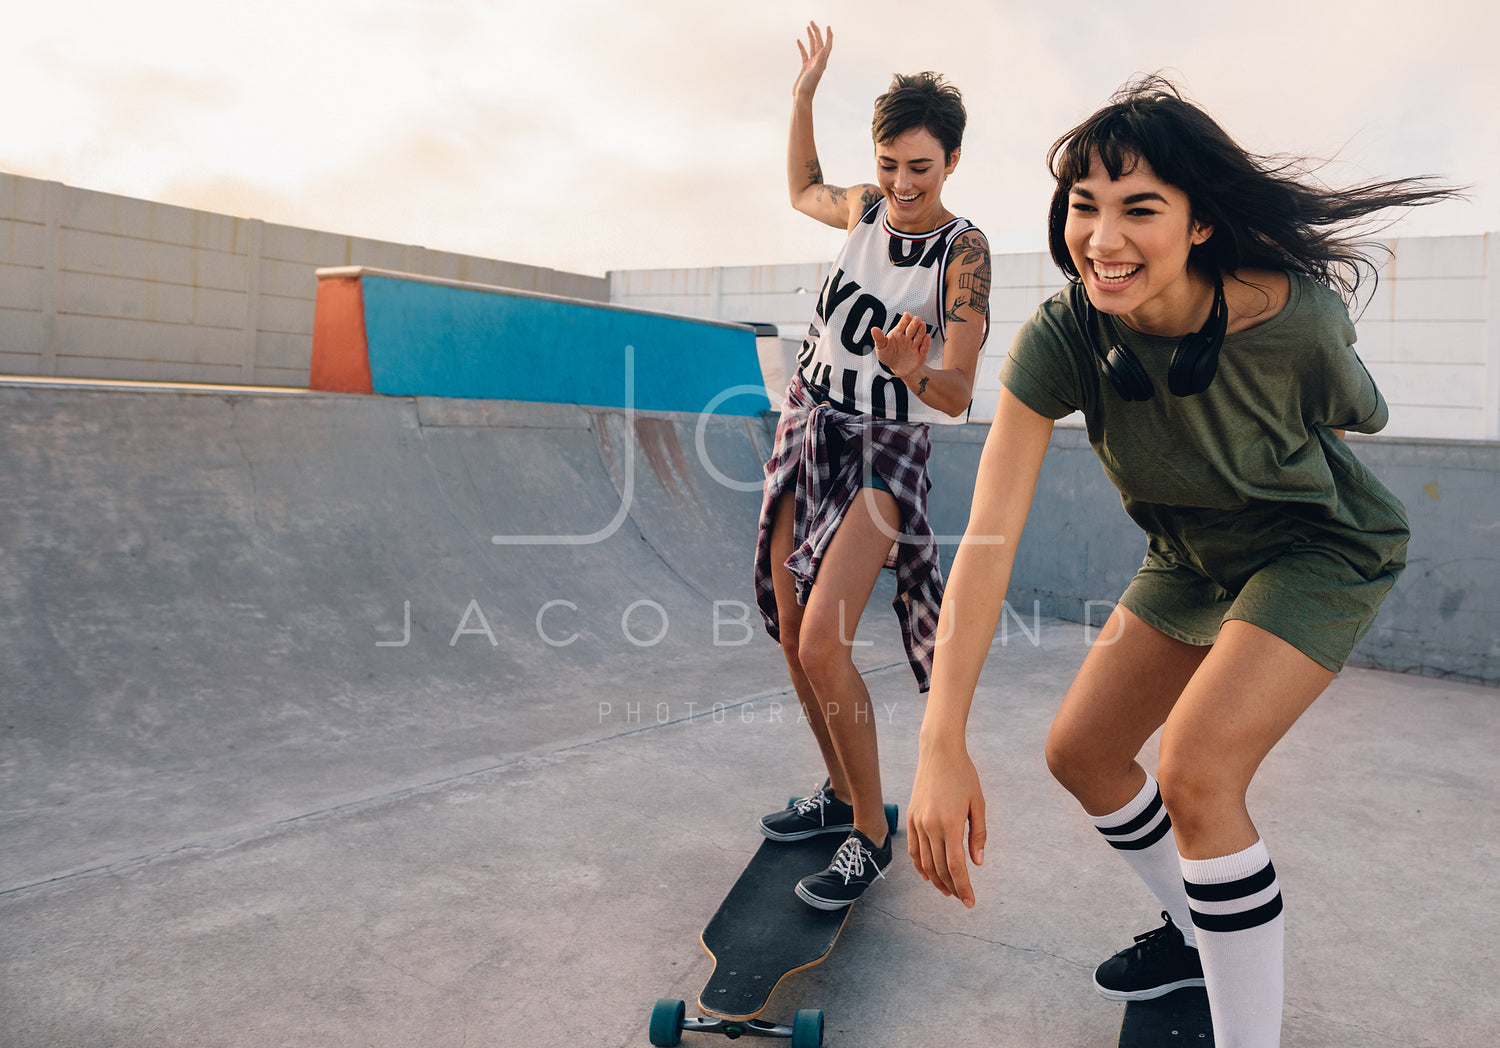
148	386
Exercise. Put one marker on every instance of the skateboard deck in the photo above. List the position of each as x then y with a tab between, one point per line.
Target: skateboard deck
762	932
1179	1018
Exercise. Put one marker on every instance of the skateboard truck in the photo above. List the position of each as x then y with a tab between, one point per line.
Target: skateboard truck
668	1022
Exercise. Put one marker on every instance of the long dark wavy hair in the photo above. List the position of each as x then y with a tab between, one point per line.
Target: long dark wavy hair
1266	212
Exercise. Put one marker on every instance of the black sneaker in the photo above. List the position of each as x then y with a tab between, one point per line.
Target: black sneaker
1157	964
820	813
855	867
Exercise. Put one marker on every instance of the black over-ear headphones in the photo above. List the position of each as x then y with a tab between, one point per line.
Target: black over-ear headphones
1193	362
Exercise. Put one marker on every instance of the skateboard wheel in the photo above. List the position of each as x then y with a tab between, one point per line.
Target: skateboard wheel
807	1029
666	1022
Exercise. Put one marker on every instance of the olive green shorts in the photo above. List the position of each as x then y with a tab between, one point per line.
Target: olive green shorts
1313	598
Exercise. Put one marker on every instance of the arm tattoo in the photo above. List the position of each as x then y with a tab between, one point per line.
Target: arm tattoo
969	249
867	200
922	386
814	172
951	315
977	284
977	281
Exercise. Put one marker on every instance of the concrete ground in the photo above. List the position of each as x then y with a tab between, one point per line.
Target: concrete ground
241	811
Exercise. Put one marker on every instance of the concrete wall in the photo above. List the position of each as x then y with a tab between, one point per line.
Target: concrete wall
1431	337
1080	549
94	285
1430	333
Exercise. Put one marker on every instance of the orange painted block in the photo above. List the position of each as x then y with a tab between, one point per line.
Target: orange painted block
341	350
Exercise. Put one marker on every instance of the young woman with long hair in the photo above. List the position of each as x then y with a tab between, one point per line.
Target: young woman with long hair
1205	338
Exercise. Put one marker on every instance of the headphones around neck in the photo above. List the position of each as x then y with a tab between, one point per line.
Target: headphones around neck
1193	362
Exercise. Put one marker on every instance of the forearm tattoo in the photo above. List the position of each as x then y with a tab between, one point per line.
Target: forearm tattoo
814	172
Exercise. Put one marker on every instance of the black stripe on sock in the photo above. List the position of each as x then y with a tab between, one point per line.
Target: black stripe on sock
1141	844
1140	822
1238	922
1230	890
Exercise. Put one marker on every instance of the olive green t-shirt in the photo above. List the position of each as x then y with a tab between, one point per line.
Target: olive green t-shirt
1251	465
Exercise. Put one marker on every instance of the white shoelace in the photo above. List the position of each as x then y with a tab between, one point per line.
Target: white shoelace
818	800
850	860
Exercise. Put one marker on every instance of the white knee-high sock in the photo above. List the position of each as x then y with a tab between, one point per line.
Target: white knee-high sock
1236	902
1141	834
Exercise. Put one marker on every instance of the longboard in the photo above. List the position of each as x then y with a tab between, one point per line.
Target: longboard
761	934
1175	1020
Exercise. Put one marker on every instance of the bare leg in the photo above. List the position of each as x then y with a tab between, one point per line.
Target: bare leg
820	657
1244	698
1222	710
1250	690
1124	691
789	616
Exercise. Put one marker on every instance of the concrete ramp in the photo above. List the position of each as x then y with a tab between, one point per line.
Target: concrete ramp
294	752
222	612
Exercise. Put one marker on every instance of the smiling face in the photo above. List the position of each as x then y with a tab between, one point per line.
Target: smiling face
1129	239
911	170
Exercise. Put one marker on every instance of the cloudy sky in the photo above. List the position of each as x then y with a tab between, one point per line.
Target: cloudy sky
592	135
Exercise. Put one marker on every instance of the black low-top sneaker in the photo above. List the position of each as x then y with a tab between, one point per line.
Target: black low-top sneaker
856	866
1158	963
808	817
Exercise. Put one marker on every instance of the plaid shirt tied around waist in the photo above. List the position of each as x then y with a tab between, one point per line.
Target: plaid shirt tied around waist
821	455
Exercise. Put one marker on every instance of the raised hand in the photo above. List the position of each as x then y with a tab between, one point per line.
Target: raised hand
814	60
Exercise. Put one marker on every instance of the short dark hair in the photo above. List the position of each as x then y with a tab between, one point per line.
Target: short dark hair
921	100
1266	212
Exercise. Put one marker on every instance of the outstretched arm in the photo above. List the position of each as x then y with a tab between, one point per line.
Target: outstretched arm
946	796
804	174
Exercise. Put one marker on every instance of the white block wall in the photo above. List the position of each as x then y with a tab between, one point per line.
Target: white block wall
1431	337
1430	332
94	285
